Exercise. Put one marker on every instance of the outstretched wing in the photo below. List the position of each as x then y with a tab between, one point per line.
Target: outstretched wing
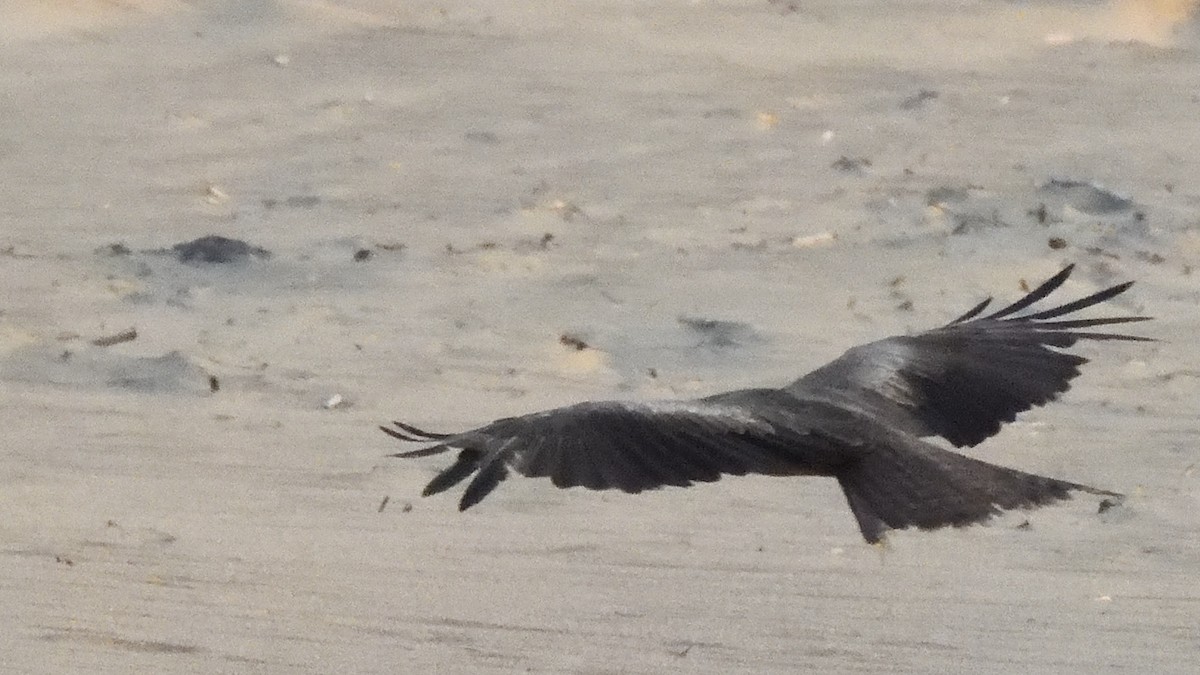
634	446
964	380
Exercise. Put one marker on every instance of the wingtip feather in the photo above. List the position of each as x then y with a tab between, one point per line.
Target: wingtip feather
485	481
397	435
422	452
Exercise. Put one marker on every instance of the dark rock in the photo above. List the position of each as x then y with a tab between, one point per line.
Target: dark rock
215	249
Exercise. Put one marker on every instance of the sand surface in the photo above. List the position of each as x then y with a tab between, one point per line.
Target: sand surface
709	195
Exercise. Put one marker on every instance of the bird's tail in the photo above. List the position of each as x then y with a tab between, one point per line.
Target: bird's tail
922	485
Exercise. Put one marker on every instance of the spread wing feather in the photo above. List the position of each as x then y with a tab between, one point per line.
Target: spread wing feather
628	446
962	381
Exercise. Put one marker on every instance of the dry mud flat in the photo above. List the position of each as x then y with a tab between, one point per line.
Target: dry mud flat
454	212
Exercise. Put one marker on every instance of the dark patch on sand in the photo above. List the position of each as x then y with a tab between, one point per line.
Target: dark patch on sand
217	250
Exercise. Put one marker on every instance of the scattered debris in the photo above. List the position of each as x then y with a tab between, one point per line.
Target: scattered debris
363	255
1024	525
1106	504
573	341
851	164
383	504
214	385
64	560
336	401
653	373
489	245
407	507
281	60
906	306
215	249
128	335
1057	243
1150	257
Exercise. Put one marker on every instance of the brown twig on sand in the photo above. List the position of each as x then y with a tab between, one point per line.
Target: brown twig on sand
110	340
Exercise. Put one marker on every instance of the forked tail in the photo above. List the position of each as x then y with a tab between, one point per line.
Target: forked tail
921	485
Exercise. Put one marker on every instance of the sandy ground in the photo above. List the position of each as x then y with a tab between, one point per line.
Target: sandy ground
447	188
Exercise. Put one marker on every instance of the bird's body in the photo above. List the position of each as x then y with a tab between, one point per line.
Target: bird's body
860	419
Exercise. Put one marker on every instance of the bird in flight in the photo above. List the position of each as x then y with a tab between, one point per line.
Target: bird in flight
860	419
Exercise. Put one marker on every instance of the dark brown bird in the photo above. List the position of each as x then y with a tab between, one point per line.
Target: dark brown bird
859	419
